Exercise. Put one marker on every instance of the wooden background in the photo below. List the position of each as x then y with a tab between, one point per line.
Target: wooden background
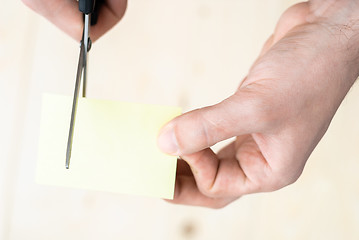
187	53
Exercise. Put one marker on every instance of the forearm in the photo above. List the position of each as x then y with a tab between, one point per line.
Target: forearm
341	19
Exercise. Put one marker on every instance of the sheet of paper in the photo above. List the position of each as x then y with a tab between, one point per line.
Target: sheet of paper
114	147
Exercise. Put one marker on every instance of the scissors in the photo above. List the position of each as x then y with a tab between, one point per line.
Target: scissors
90	9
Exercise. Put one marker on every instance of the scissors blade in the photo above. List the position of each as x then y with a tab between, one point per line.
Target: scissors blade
81	74
74	104
87	45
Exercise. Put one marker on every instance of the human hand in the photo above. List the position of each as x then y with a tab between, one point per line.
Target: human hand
66	15
278	114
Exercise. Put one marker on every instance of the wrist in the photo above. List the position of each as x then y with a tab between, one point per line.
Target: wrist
340	19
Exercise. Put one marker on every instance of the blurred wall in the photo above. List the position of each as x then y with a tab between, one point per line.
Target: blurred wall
186	53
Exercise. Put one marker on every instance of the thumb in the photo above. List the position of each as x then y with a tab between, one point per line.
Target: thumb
202	128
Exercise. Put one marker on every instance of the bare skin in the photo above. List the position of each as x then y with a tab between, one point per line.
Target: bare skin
65	15
278	114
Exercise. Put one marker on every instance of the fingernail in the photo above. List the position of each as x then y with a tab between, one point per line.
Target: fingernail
167	141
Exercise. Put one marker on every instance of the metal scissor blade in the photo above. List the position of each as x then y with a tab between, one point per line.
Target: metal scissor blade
81	74
80	68
87	45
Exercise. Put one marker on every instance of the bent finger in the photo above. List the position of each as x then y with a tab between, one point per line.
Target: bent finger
64	14
187	193
110	14
217	178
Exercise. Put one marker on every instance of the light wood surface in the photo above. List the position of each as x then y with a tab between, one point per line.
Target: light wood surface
186	53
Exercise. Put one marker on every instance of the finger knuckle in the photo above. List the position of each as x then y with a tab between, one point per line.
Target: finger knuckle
262	110
212	192
214	123
178	137
221	189
280	181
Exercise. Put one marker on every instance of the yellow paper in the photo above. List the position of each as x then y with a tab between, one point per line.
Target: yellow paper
114	147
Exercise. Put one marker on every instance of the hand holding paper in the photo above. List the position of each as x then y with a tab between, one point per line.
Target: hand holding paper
278	114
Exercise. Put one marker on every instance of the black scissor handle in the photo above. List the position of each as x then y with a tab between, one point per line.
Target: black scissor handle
94	15
91	7
87	6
